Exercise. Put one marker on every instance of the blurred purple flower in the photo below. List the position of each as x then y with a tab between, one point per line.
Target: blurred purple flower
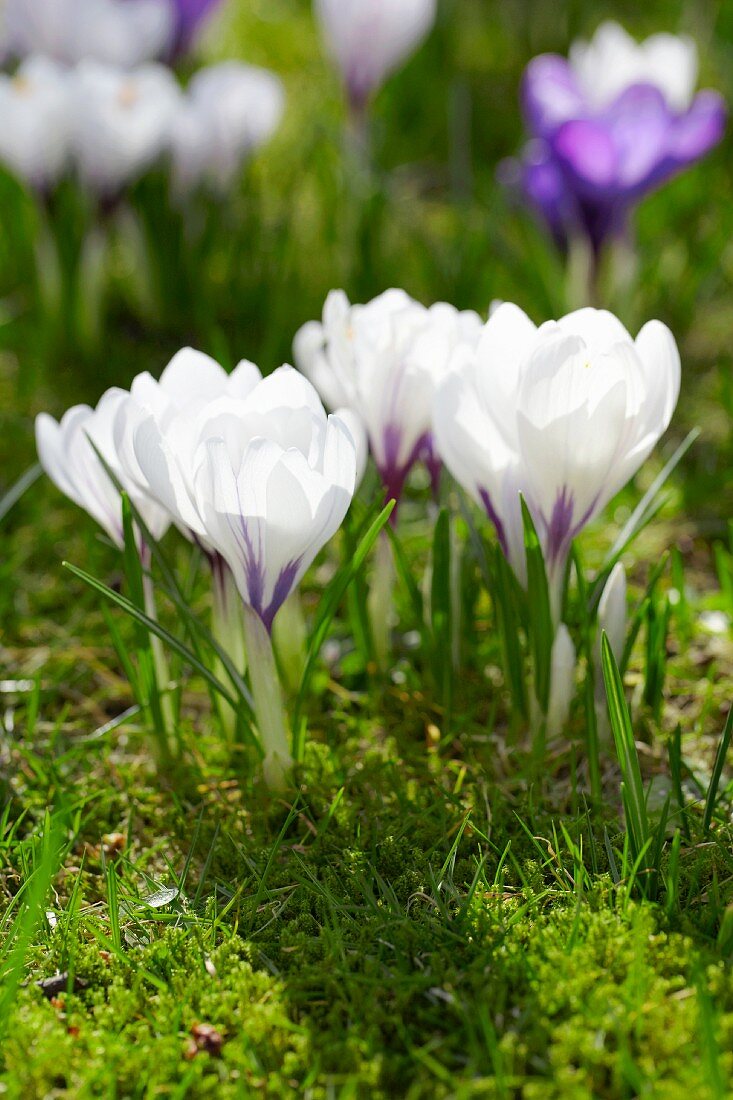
600	145
188	15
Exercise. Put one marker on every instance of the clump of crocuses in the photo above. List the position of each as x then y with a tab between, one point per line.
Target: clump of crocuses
548	422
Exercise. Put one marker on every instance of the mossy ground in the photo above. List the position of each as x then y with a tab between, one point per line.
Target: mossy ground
435	913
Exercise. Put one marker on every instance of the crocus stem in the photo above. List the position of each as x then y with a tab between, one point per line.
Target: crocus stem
228	631
160	663
48	272
268	702
289	634
582	274
556	587
381	600
90	289
456	604
227	615
358	138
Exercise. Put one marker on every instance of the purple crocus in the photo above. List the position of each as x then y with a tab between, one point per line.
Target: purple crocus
610	125
188	16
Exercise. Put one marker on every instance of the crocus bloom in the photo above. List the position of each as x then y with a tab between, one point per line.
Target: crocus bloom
383	361
66	450
611	124
370	39
35	111
121	122
118	32
264	480
229	110
564	414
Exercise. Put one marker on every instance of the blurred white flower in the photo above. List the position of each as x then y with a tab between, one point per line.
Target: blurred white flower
383	361
370	39
565	414
35	112
613	61
121	122
229	110
117	32
66	452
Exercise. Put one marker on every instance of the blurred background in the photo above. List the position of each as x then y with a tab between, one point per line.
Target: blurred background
422	209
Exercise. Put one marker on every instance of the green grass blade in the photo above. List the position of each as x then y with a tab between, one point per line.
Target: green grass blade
329	605
623	735
16	491
645	511
720	758
165	636
441	609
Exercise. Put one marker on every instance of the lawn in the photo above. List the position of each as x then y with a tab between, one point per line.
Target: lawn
440	905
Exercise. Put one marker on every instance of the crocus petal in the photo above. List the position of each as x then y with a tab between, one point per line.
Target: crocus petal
69	453
700	130
163	477
613	61
550	94
192	375
269	517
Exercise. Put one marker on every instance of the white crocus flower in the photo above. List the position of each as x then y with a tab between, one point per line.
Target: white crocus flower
158	433
273	435
564	414
121	122
613	61
35	130
116	32
272	484
267	479
370	39
383	361
66	451
229	110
